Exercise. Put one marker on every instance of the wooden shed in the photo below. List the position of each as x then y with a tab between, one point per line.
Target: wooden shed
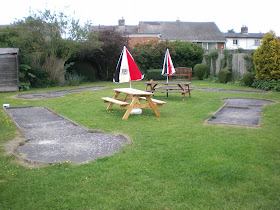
9	80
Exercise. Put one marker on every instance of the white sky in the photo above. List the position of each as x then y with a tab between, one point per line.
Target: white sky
258	16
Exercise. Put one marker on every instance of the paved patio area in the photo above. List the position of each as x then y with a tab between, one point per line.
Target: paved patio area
52	138
240	111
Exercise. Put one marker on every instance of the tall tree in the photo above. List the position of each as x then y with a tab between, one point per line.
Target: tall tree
267	58
106	58
51	38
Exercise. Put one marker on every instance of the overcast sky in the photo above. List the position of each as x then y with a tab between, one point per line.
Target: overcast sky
258	16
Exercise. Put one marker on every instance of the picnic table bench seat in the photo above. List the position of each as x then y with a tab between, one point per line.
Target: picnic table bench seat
122	104
156	101
163	89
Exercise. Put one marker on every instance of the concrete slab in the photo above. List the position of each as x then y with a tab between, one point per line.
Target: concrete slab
55	94
52	138
240	111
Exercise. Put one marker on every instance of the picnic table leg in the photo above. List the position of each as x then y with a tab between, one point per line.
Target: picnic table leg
128	111
183	91
152	86
189	90
153	106
111	104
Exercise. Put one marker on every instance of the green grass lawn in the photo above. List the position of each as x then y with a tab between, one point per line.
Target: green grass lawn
173	162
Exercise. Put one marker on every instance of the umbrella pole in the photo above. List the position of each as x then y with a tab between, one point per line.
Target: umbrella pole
130	84
167	86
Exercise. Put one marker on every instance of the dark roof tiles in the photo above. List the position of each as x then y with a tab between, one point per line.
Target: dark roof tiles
185	31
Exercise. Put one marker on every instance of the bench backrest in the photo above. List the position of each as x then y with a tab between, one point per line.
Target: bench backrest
183	70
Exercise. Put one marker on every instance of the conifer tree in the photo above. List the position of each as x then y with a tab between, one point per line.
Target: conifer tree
267	58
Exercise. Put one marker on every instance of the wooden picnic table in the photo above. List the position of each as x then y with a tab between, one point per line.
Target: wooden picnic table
169	87
136	99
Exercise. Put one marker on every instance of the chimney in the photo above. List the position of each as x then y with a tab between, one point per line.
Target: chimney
244	30
122	22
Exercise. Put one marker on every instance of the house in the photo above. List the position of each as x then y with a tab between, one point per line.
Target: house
206	34
9	80
243	40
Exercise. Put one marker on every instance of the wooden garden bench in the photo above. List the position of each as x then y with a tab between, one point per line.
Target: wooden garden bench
182	72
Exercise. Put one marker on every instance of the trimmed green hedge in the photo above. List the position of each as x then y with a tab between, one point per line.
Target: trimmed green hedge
224	75
201	71
154	74
248	79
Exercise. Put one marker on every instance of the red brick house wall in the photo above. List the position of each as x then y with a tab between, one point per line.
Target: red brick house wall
140	40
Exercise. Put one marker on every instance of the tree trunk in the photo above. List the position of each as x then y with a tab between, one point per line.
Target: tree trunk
54	67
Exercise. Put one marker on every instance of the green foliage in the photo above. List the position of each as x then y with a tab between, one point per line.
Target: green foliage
187	54
74	79
267	58
212	78
154	74
105	58
201	71
226	62
249	61
41	79
211	58
267	84
84	68
43	37
224	75
25	77
150	55
248	79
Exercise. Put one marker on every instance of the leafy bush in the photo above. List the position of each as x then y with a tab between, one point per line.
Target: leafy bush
74	79
150	55
187	54
267	84
84	68
201	71
267	58
224	75
41	79
154	74
212	78
248	79
25	77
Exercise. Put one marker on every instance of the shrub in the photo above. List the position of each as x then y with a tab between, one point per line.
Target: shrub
42	77
154	74
85	69
248	79
267	58
267	84
201	71
74	79
224	75
25	77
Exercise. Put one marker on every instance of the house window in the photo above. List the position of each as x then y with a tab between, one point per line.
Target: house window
209	46
257	42
235	41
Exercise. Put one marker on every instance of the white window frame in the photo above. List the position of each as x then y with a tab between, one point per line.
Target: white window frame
257	42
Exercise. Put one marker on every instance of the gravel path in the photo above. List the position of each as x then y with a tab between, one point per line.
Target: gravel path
52	138
57	93
240	111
